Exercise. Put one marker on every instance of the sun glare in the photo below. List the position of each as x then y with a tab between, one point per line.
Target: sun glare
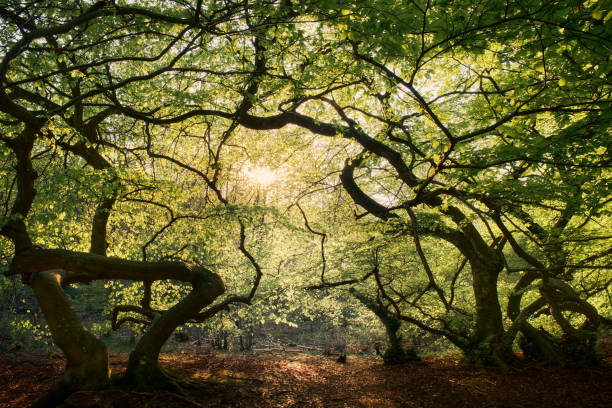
261	175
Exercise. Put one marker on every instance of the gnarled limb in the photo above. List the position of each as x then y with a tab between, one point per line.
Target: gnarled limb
224	305
143	369
86	267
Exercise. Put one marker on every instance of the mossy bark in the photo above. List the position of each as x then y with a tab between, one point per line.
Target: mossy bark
145	374
143	370
539	346
487	346
87	365
395	353
86	356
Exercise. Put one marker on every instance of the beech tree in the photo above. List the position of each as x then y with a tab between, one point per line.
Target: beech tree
476	128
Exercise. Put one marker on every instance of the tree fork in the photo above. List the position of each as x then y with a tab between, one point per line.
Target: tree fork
395	353
143	369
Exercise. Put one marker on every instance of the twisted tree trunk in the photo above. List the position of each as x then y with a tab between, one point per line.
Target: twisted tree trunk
143	369
486	346
49	270
86	356
395	353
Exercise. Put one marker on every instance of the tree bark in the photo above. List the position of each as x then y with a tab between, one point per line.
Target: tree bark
395	353
86	356
487	345
143	369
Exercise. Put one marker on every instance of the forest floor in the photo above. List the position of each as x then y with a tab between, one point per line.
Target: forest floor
289	379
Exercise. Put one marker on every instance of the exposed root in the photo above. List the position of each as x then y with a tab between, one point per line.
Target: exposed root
149	376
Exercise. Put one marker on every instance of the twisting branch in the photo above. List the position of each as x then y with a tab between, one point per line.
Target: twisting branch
173	219
424	262
323	239
224	305
82	267
209	183
245	252
370	205
454	280
116	324
341	283
453	337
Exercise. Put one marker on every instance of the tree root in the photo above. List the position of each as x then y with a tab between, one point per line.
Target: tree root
150	376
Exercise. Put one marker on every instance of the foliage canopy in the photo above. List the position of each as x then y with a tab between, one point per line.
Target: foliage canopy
446	161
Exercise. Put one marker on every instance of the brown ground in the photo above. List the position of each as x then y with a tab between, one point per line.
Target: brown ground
301	380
